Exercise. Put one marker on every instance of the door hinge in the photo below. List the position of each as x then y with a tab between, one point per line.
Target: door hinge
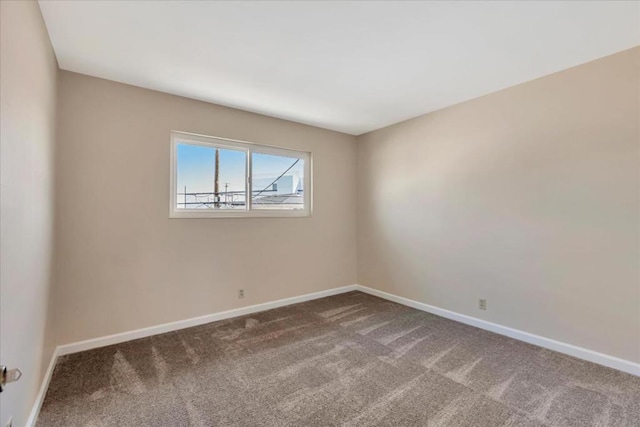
8	376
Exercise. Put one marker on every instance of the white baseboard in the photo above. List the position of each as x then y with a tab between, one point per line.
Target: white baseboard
33	416
572	350
561	347
195	321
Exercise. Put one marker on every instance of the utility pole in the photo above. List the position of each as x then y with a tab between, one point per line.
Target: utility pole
226	193
216	182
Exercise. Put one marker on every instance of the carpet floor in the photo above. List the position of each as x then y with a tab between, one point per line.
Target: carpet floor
347	360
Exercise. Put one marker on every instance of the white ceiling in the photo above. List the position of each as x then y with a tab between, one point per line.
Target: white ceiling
348	66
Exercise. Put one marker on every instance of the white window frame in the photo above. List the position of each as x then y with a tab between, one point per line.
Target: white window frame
249	148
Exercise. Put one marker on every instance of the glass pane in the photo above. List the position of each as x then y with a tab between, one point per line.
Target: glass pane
277	182
202	185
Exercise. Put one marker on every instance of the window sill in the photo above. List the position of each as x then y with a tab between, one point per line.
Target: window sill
244	214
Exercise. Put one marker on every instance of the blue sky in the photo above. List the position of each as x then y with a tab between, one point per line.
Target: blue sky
196	168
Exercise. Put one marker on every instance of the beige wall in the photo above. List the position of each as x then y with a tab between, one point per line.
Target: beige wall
528	197
27	130
123	264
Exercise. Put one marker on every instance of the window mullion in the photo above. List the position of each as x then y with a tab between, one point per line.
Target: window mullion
249	190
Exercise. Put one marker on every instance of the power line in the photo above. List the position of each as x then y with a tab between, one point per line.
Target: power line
281	175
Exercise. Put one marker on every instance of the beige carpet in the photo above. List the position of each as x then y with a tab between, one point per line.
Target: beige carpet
351	360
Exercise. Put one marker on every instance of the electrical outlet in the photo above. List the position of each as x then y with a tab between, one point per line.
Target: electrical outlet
240	293
482	304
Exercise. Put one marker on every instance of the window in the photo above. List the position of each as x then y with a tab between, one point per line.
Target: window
211	178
